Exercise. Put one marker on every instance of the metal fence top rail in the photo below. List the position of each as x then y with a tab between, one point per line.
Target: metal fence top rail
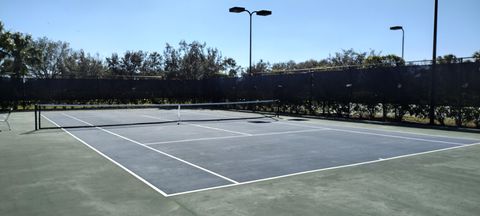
365	66
160	105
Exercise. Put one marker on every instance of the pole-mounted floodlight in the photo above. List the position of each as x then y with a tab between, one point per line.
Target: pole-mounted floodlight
236	9
259	13
396	28
264	13
403	37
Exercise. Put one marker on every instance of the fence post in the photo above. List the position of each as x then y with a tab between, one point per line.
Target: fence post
36	126
39	117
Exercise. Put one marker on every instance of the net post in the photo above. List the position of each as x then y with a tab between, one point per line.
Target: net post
178	114
35	110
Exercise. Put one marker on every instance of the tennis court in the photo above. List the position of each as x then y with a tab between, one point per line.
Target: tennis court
180	152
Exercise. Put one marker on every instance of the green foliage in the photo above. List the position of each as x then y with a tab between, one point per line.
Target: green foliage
131	62
447	59
291	65
20	55
17	53
172	62
476	55
382	61
81	65
471	114
196	61
4	43
52	56
230	67
348	58
113	65
258	68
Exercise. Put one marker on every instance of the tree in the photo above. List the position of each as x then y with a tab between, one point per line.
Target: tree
347	58
309	64
373	60
81	65
153	65
259	67
113	65
131	62
284	66
192	64
476	55
17	53
172	62
214	63
447	59
5	44
382	61
230	67
394	60
52	56
313	64
194	61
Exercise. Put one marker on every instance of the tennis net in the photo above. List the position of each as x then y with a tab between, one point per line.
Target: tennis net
54	116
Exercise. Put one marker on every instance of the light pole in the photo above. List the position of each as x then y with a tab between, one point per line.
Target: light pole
403	37
434	63
259	13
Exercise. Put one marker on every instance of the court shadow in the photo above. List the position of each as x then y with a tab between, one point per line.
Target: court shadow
298	119
41	132
259	122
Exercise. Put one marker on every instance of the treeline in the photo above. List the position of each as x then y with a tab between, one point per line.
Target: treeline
21	55
340	59
350	57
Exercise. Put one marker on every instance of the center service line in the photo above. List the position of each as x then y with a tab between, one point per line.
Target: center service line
156	150
201	126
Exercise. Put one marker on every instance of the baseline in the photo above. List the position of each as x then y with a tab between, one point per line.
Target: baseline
323	169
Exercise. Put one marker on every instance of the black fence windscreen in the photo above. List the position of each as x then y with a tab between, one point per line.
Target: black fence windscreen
456	85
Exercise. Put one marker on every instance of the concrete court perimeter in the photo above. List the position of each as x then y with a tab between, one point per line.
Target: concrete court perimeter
49	172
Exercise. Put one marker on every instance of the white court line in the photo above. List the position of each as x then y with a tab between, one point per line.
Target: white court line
382	135
201	126
323	169
400	137
155	150
219	129
299	125
234	114
110	159
192	140
232	137
390	131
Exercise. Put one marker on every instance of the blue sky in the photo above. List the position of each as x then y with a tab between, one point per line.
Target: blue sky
297	30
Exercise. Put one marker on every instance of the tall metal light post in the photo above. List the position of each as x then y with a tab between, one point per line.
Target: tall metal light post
434	63
403	37
259	13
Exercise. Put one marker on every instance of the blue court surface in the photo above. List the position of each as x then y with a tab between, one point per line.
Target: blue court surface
176	159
